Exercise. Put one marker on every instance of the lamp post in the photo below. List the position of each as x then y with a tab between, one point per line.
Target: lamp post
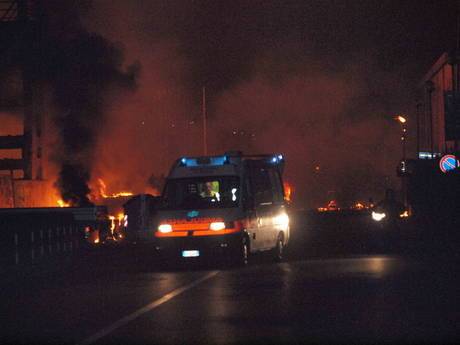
205	133
402	120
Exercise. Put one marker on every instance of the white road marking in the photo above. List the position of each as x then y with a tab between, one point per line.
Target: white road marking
128	318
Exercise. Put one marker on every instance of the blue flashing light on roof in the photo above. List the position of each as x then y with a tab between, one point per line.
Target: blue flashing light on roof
201	161
276	159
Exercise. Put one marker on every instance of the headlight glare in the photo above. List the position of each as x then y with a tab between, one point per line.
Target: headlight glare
164	228
216	226
282	220
378	216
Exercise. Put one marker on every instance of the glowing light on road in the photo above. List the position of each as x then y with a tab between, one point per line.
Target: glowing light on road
377	216
405	214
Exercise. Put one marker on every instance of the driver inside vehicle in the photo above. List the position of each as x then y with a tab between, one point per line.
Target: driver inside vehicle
210	189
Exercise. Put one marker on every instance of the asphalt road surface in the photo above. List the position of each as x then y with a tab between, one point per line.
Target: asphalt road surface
322	293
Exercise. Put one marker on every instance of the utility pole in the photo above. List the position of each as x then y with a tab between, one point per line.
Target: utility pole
205	139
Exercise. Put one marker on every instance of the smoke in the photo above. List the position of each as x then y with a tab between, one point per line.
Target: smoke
318	81
84	73
333	148
73	184
273	85
146	129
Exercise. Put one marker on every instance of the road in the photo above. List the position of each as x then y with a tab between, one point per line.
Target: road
345	292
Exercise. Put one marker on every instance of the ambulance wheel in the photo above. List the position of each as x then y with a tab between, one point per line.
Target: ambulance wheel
242	252
278	251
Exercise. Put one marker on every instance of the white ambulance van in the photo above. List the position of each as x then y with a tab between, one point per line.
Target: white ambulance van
231	205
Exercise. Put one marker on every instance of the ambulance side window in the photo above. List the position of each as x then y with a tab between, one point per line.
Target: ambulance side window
261	186
277	188
248	195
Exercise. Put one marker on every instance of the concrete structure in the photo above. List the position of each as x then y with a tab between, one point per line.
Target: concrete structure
20	32
432	193
438	112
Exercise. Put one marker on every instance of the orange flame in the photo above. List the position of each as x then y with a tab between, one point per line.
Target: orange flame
62	203
287	191
104	194
117	223
358	206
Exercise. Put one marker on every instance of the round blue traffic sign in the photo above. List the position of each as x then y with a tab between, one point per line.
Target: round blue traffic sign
448	162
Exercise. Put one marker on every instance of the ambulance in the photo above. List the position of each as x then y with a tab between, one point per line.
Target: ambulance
229	206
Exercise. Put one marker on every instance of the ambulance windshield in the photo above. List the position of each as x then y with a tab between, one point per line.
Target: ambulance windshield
202	192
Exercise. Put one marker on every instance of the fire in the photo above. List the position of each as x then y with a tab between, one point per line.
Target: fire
117	224
117	195
358	206
62	203
405	214
102	188
287	191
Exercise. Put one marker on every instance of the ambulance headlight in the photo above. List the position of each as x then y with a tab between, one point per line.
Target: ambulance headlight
378	216
165	228
281	220
216	226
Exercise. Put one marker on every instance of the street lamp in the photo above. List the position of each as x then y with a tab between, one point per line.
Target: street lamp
402	120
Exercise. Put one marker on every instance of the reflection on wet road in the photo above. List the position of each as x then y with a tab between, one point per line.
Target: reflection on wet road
367	298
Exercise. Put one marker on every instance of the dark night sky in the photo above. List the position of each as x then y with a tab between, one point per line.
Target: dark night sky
223	39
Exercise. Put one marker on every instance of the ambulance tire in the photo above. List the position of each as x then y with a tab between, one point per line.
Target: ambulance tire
241	254
278	251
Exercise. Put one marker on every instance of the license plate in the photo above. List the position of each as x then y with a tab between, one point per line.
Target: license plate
190	253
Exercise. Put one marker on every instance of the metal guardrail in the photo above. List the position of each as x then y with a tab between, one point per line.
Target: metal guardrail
29	236
27	239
